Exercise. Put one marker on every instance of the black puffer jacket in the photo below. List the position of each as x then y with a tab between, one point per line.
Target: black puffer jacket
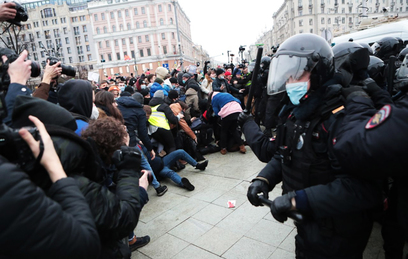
36	225
164	107
135	120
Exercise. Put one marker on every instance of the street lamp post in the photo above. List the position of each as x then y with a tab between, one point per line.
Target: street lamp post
178	34
228	55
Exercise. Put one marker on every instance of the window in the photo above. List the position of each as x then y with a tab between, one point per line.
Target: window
35	56
322	20
102	57
144	24
161	21
70	59
119	14
121	27
112	15
123	42
107	43
102	16
116	43
86	38
172	35
137	25
42	54
343	20
141	53
68	50
95	17
76	30
118	56
311	30
310	21
131	40
171	20
127	13
113	28
328	20
100	44
109	57
67	40
135	11
63	20
105	30
147	38
148	52
300	23
163	36
132	52
139	39
165	50
343	10
88	48
89	57
169	7
128	26
143	10
74	19
82	18
47	13
38	34
300	12
125	53
84	29
160	8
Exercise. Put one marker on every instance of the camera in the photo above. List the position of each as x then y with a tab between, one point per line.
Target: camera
21	15
241	49
207	62
66	69
12	146
11	57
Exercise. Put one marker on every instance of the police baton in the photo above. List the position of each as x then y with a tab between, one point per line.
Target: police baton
254	79
296	216
390	74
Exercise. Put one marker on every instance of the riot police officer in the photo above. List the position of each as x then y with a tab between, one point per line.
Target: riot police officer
335	204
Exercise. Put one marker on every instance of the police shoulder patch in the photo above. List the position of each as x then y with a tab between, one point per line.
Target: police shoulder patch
379	117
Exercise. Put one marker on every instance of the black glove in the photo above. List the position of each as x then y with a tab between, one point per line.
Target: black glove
257	186
281	206
244	117
352	91
371	87
128	158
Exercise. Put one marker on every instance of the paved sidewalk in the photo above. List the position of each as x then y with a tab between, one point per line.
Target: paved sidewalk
199	224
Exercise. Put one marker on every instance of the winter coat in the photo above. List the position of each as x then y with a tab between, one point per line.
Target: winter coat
135	121
165	108
58	224
14	90
192	102
206	88
176	108
156	86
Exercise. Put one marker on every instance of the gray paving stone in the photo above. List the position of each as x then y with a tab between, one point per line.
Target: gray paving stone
165	247
212	214
192	251
217	240
247	248
190	230
243	218
138	255
238	193
269	232
190	207
157	205
282	254
288	243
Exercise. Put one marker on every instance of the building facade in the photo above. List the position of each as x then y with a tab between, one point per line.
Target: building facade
330	18
60	29
131	36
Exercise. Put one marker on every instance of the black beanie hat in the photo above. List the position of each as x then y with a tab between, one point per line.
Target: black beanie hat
47	112
159	80
130	89
173	94
186	75
173	80
219	71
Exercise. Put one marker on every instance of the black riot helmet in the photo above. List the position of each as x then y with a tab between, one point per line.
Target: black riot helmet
375	70
366	46
265	62
402	54
386	47
298	55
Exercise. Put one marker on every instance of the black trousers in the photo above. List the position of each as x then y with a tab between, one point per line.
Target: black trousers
166	138
229	127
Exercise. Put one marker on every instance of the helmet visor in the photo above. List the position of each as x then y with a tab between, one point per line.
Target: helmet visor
402	72
283	68
375	47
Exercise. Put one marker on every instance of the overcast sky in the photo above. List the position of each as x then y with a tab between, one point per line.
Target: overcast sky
222	25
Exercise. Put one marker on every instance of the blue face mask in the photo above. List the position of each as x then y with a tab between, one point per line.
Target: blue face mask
213	78
221	77
184	81
296	91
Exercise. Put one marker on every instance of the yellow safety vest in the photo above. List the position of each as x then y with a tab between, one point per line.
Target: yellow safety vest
159	119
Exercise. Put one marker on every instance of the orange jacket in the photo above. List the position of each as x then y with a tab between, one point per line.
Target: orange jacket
176	108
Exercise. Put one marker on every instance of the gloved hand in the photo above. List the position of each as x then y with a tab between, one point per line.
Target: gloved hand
243	117
352	91
371	87
257	186
127	158
281	206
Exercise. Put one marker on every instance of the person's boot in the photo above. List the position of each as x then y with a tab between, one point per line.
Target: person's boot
186	183
202	165
161	190
138	242
242	149
223	151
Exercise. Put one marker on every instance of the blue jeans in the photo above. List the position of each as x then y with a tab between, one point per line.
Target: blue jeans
167	172
171	159
146	166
